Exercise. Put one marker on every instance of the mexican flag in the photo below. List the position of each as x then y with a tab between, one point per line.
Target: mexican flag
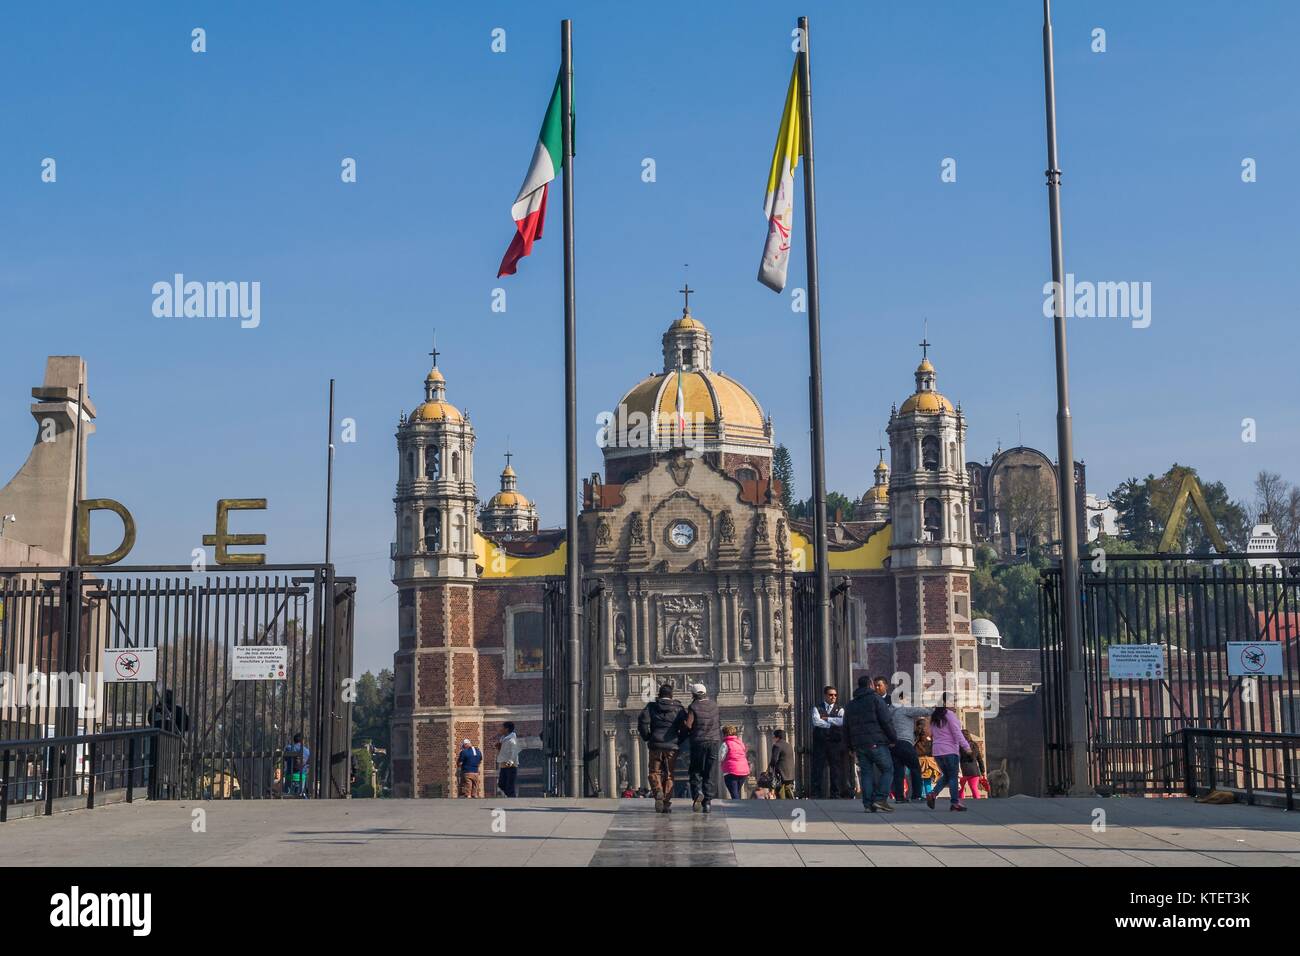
778	206
529	210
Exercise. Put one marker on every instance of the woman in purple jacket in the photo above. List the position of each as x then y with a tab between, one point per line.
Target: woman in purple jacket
949	744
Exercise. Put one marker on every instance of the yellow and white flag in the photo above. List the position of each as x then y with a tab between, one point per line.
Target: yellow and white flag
779	205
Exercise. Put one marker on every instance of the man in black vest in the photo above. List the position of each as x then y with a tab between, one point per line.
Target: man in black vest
706	737
829	750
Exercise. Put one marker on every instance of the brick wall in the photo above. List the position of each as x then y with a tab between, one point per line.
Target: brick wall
433	755
433	623
431	680
460	618
935	604
464	680
876	592
907	617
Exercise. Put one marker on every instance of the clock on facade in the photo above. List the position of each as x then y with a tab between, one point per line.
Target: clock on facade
681	534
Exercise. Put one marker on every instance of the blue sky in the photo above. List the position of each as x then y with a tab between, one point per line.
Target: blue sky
225	166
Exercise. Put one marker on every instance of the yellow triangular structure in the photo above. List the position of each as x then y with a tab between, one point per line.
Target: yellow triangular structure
1190	488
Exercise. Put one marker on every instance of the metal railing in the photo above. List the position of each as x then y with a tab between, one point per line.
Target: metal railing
1253	762
40	775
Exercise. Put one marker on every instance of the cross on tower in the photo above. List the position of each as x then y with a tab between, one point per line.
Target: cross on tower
435	352
925	348
508	456
881	449
686	291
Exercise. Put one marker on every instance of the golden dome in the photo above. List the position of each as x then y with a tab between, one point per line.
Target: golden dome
877	493
687	322
435	411
508	472
927	403
881	467
925	366
434	376
707	396
508	499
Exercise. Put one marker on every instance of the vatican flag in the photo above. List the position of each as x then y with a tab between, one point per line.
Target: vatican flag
779	205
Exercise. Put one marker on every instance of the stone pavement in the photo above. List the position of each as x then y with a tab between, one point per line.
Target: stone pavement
1020	831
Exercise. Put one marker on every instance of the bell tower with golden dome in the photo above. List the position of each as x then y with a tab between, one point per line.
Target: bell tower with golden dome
508	510
436	498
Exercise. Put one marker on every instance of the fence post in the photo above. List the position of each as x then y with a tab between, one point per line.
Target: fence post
1250	772
130	769
1288	755
4	788
90	790
49	779
1189	765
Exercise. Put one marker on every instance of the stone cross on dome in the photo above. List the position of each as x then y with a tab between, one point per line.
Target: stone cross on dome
686	291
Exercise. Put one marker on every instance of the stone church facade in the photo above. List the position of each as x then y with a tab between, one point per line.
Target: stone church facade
695	559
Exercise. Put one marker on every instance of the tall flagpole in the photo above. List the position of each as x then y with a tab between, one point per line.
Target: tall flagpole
1080	783
329	476
575	716
828	668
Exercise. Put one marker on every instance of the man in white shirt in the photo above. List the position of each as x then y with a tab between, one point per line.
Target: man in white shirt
829	749
507	760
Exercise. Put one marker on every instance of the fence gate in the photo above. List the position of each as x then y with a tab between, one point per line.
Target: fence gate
57	623
556	713
808	662
1187	611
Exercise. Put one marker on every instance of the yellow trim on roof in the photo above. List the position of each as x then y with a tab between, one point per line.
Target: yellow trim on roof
868	556
496	563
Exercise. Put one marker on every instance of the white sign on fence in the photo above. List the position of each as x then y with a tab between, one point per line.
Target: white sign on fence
1136	661
258	662
1254	659
130	665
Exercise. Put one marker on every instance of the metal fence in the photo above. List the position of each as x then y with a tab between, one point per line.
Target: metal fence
57	623
808	664
1191	609
556	712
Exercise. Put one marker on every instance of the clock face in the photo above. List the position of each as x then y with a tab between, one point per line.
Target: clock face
681	534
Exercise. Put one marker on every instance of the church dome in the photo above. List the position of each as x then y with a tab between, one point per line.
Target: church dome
925	400
508	499
435	407
877	493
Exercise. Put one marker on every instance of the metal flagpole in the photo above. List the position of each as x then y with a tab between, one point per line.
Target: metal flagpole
1070	624
828	669
329	476
572	586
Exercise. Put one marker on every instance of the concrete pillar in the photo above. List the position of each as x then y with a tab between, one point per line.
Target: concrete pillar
611	763
636	765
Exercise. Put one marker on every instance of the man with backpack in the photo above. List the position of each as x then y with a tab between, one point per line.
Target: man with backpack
662	725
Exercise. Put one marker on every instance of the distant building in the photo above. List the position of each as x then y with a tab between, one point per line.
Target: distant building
1263	540
1102	517
1015	497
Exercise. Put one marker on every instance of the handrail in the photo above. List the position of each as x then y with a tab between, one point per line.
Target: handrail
1290	742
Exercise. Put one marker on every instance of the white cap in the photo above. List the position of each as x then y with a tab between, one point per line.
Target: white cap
466	742
699	689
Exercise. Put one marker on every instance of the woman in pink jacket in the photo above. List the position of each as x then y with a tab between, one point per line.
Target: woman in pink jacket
948	745
735	765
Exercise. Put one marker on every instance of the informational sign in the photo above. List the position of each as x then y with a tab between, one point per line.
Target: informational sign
1136	661
1254	659
258	662
130	665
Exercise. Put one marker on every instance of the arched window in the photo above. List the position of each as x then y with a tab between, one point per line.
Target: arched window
455	466
746	474
933	520
458	535
432	529
958	523
432	463
953	463
930	453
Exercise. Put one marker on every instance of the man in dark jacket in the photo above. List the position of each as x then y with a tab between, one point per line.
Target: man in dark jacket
781	764
706	737
662	725
869	732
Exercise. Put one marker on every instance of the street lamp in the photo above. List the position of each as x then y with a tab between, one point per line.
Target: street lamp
4	520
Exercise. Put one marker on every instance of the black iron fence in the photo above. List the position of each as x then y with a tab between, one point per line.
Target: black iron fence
1251	763
1171	645
557	714
808	664
243	665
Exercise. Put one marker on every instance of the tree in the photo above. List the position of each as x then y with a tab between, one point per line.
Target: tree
1007	594
1145	507
783	471
1277	502
1026	498
834	502
372	711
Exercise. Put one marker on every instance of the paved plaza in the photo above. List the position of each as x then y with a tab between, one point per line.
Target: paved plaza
1019	831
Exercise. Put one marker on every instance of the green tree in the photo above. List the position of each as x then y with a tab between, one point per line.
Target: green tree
834	502
1145	506
783	471
361	760
372	711
1007	594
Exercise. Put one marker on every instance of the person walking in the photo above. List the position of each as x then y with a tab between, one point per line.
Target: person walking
467	765
869	732
781	763
947	744
906	760
735	764
507	760
972	766
662	725
829	750
706	737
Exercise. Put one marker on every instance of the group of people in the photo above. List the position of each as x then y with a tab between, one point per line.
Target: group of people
891	743
469	762
665	724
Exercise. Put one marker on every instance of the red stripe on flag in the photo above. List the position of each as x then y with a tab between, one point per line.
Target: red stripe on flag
526	232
